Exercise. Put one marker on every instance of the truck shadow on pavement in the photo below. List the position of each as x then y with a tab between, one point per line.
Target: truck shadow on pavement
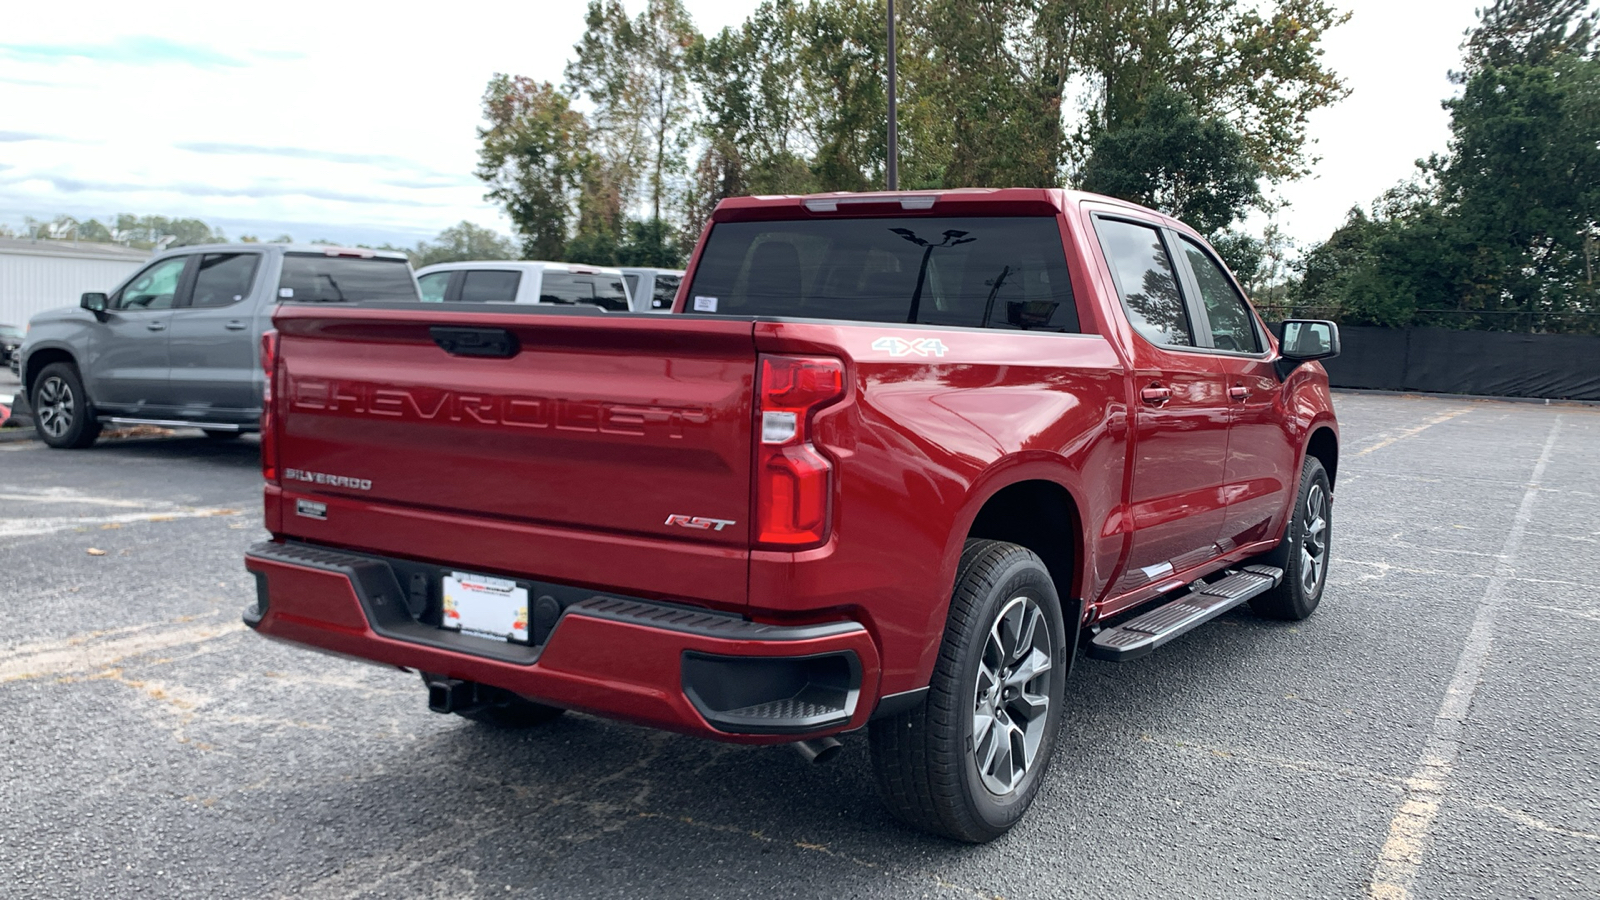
243	452
584	806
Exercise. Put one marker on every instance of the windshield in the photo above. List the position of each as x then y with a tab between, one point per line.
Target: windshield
319	278
978	272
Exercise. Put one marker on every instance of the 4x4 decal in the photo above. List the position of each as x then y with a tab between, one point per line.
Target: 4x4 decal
898	346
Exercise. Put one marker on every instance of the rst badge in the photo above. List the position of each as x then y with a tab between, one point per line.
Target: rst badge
699	522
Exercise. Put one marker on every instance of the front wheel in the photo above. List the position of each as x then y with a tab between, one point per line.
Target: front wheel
967	763
1304	553
62	414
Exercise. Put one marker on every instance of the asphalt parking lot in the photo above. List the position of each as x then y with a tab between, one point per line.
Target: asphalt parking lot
1433	731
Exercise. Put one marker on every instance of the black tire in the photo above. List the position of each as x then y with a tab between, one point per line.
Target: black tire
927	759
222	435
1303	555
63	417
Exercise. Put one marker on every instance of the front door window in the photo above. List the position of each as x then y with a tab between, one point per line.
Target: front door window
154	288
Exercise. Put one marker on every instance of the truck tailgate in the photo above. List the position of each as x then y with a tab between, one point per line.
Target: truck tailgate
630	436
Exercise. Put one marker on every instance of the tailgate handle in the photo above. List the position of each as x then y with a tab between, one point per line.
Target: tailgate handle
493	342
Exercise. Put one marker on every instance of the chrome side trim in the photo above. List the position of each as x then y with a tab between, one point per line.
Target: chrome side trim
174	423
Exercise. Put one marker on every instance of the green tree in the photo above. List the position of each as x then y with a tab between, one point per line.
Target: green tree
462	242
147	232
636	74
1170	158
534	156
1522	181
844	106
1258	66
750	90
1530	32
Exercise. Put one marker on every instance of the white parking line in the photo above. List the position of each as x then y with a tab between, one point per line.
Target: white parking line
30	527
1412	825
67	495
94	652
1386	441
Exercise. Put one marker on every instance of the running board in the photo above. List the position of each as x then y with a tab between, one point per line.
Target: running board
174	423
1138	636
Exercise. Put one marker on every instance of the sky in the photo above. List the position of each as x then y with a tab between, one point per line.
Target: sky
356	122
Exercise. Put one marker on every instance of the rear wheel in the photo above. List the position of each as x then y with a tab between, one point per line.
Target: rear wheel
62	414
1303	555
967	763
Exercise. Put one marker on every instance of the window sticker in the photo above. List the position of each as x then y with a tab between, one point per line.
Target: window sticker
705	304
285	293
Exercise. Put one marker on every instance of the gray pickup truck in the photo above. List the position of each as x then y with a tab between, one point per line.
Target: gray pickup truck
176	344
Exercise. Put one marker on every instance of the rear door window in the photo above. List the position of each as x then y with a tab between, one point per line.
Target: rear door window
605	291
223	279
319	278
665	291
1146	282
498	286
986	272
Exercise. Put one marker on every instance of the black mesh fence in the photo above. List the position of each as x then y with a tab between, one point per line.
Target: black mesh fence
1456	361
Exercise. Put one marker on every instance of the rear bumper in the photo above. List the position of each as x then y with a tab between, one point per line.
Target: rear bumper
657	664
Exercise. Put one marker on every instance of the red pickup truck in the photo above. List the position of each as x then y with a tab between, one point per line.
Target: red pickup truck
892	462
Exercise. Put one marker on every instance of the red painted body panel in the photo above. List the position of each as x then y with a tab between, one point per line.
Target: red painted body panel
567	462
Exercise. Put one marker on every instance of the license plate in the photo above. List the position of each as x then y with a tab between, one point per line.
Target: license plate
486	607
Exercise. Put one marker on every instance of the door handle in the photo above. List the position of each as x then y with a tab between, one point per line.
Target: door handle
235	325
156	326
1239	392
1155	395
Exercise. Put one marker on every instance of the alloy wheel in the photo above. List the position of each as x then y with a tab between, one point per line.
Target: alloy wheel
54	406
1011	702
1314	540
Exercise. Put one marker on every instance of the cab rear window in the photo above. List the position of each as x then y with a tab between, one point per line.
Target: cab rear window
605	291
319	278
990	272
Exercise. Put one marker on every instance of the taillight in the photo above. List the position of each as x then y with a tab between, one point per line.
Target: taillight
269	420
793	480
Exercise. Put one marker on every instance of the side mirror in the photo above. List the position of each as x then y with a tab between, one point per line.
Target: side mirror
1306	339
94	302
1301	340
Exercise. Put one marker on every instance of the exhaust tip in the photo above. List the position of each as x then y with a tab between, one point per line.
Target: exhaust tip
818	750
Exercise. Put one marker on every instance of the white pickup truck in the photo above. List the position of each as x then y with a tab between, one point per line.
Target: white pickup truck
517	281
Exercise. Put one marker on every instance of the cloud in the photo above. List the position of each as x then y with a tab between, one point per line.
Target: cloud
255	191
132	50
429	184
361	159
14	137
32	82
277	55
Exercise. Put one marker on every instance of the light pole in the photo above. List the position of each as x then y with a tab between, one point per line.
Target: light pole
894	136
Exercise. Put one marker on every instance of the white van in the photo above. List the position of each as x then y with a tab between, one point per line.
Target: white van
515	281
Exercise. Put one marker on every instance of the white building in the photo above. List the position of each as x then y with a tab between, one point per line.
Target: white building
40	275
